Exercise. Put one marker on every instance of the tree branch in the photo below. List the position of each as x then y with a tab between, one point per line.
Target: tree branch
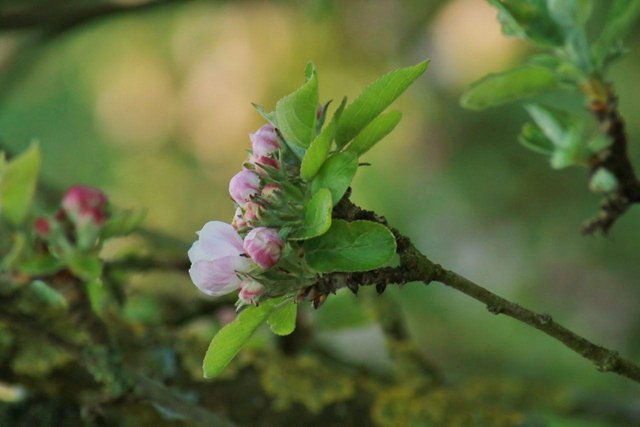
603	104
66	18
414	266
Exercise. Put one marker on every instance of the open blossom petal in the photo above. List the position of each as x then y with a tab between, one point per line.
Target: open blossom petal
218	277
243	186
217	239
216	258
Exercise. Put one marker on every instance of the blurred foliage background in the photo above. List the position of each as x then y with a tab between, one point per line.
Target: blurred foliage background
155	108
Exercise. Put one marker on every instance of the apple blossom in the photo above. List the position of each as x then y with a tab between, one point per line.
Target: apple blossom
250	291
243	186
264	246
216	259
85	204
265	141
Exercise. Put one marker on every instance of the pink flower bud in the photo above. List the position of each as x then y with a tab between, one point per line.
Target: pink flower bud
243	186
264	141
216	259
251	212
250	291
264	162
271	191
85	204
42	226
238	221
264	246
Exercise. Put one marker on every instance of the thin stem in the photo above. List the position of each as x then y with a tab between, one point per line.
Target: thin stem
415	266
603	103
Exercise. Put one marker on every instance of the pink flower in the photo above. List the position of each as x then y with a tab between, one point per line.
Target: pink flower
85	204
265	141
263	163
250	291
264	246
42	226
271	191
243	186
238	221
251	212
216	258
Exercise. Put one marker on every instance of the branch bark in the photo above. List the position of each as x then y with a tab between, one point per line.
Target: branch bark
603	104
416	267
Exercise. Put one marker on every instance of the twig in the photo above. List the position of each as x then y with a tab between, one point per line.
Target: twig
66	18
615	159
414	266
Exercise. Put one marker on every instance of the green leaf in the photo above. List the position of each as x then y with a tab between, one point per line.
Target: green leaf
555	124
282	320
42	292
319	149
336	174
86	267
603	181
123	222
534	139
41	265
296	114
270	117
620	20
374	100
570	13
230	339
317	216
508	86
529	20
379	127
18	185
351	246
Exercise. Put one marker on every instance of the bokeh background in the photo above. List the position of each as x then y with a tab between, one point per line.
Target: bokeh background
155	107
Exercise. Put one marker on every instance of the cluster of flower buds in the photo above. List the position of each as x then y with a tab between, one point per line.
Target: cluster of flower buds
240	255
77	223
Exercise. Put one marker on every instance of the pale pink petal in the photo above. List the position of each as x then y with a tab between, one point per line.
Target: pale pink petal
218	277
218	239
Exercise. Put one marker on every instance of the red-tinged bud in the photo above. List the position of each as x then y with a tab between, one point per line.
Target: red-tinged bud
265	141
264	162
252	212
250	291
85	204
239	222
42	226
264	246
243	186
271	191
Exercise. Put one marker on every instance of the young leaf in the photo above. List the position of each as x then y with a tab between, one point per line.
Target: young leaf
230	339
374	100
336	174
317	216
282	320
123	222
508	86
270	117
42	292
379	127
296	114
570	13
18	185
529	20
554	124
534	139
621	17
351	246
86	267
319	149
